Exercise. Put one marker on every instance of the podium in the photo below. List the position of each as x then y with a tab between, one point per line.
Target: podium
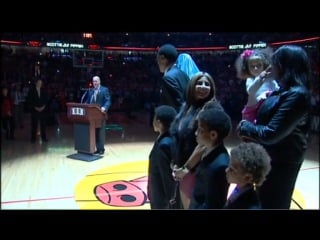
86	118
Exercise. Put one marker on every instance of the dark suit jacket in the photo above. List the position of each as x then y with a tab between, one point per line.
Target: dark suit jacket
246	200
103	97
211	187
173	87
161	185
33	99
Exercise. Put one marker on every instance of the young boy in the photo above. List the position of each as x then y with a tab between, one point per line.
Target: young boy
248	168
161	184
211	187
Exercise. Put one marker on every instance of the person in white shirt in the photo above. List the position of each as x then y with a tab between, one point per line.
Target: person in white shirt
254	67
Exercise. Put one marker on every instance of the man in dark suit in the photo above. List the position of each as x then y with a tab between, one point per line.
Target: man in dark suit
38	103
174	82
100	95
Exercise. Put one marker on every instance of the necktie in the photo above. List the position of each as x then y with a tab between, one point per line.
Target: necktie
95	95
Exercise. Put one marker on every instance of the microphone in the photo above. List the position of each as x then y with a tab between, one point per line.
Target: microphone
85	93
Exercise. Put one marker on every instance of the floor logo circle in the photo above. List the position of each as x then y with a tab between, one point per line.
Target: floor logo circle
122	186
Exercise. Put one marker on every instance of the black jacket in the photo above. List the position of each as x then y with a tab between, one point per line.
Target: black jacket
161	185
173	88
33	99
246	200
282	124
211	187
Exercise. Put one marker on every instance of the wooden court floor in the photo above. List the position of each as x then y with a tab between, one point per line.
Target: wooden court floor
41	176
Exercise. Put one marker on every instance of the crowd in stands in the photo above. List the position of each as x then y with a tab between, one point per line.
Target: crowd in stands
156	39
133	78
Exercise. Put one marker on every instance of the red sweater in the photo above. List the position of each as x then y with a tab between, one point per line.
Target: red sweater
7	107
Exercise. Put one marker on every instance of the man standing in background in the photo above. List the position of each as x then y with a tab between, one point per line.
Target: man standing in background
38	103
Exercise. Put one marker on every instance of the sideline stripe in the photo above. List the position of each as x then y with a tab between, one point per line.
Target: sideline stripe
36	200
69	197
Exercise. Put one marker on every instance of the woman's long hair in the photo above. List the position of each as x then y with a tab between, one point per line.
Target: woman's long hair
293	65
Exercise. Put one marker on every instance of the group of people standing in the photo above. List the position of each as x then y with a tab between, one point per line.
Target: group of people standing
13	106
189	165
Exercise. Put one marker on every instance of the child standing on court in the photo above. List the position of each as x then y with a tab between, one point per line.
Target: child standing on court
249	165
161	184
211	186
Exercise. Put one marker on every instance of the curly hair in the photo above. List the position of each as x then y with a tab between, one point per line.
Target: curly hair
242	62
254	159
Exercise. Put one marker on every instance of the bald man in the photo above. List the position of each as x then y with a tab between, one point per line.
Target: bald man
100	95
